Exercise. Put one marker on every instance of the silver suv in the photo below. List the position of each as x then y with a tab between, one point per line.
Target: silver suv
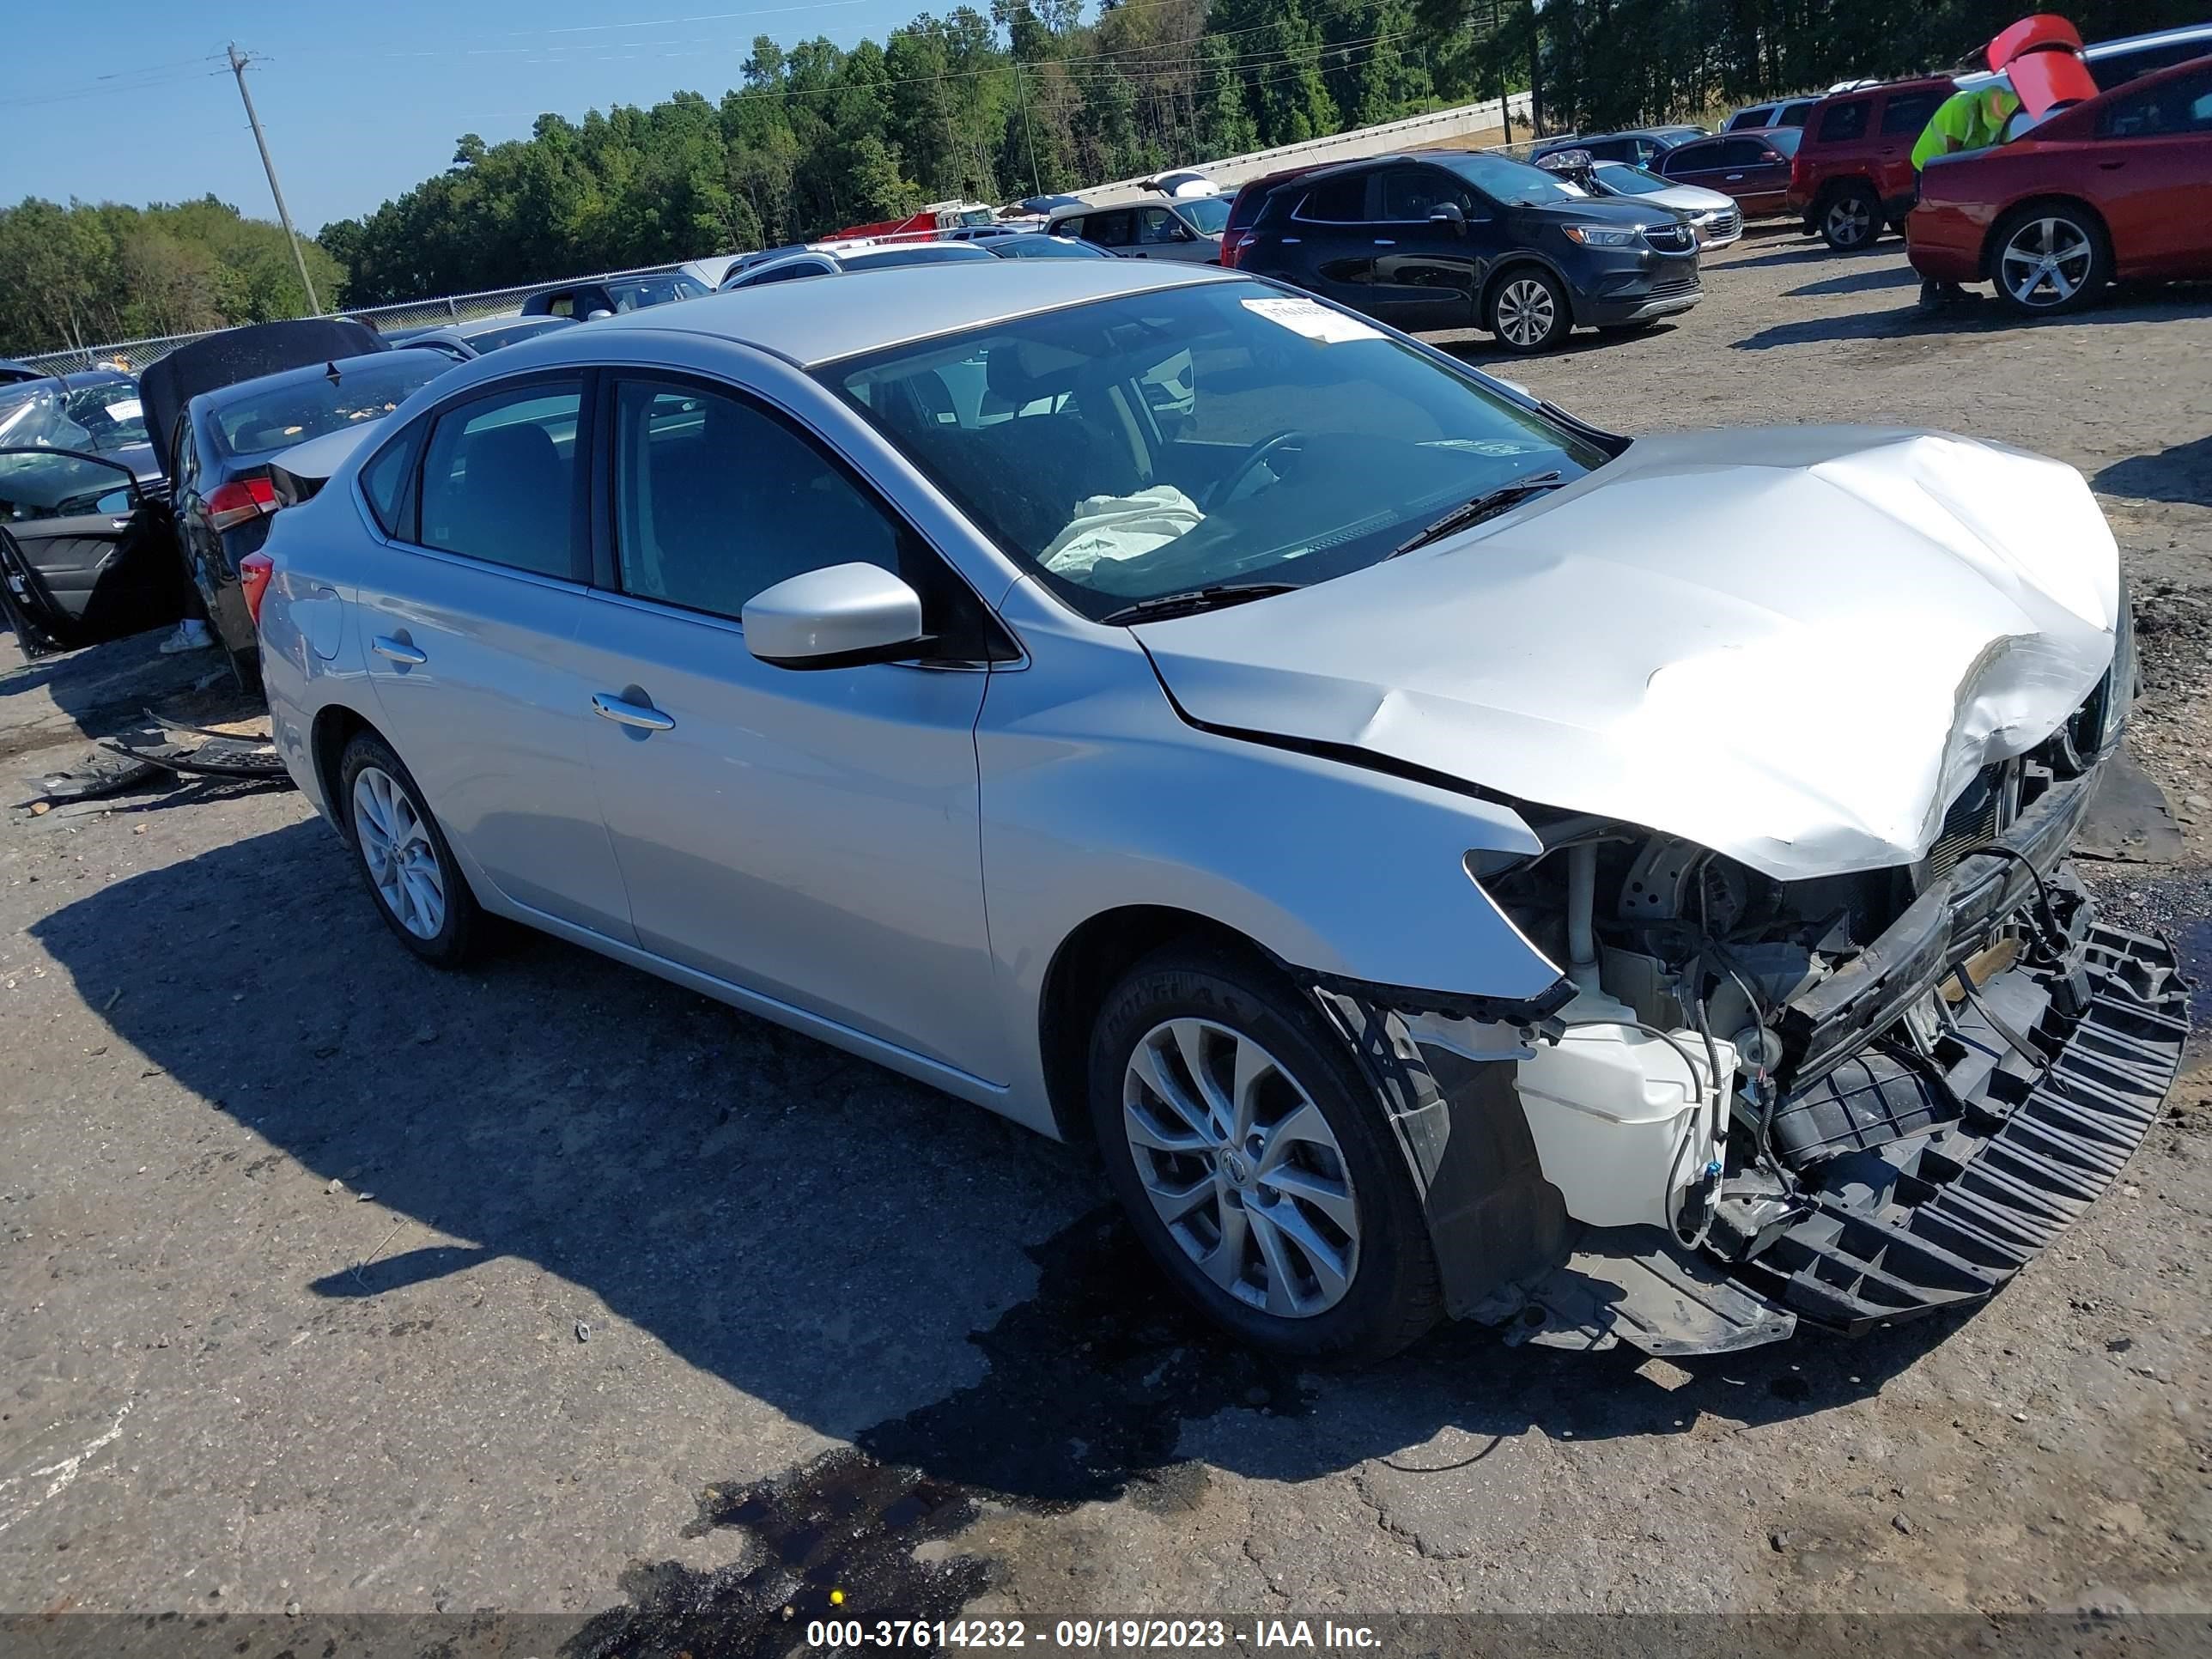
1449	860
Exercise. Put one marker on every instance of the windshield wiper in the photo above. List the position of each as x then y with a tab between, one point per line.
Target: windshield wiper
1485	506
1195	600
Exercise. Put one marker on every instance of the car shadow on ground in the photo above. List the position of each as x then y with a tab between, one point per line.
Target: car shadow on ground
1979	313
1857	281
1808	252
2181	473
798	1222
1486	353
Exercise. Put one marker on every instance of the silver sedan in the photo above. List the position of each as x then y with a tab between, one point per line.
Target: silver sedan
1449	859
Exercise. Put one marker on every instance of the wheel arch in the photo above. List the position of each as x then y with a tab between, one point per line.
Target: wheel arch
1087	965
335	724
1520	259
2000	226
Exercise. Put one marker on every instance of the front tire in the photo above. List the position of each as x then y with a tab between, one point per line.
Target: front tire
402	854
2050	258
1255	1162
1528	312
1851	219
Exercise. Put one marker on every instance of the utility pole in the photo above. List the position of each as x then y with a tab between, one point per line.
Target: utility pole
1498	52
1021	91
238	68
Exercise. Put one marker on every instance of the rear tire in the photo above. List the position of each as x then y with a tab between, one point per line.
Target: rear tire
1851	217
1528	311
1255	1162
2048	258
413	878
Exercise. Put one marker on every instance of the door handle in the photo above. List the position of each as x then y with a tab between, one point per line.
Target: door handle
608	706
1735	177
406	655
1384	241
2111	166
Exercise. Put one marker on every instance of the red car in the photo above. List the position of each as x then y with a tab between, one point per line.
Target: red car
1853	171
1752	164
2120	186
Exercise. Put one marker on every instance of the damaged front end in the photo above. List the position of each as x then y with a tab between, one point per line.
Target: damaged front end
1846	1100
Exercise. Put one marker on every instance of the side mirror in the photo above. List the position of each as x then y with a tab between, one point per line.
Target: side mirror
1448	213
840	616
594	315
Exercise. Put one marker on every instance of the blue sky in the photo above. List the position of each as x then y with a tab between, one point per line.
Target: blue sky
128	100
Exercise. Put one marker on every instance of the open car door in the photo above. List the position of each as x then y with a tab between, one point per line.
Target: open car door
80	560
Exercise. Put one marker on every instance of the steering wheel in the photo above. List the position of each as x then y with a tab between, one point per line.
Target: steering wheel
1253	456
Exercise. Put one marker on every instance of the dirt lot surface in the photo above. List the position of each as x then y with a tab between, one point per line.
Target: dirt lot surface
332	1284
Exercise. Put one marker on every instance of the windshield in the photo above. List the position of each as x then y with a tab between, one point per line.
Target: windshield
1515	183
1209	214
640	292
1785	139
521	328
1156	443
291	411
1045	247
916	253
44	414
1623	179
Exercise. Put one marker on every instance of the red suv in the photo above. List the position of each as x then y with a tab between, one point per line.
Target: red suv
1244	212
1853	171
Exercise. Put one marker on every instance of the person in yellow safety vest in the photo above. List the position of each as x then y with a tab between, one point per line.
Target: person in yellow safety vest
1963	121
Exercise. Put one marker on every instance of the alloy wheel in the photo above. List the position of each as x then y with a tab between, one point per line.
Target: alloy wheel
1850	221
1526	312
1242	1167
397	850
2045	261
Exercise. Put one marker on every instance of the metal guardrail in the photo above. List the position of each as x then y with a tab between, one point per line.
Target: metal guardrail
136	355
1409	133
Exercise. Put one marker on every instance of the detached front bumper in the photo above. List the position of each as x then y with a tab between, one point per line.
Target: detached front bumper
1943	1217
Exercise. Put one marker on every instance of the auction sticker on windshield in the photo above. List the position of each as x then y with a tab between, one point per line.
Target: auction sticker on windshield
1313	320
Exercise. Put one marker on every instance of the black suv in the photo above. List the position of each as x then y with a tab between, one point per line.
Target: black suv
1450	239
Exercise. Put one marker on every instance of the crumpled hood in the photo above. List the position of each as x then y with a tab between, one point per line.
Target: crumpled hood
1794	646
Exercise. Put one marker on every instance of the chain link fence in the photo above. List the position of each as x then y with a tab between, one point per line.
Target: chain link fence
135	354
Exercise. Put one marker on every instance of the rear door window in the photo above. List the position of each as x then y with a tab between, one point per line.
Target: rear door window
1338	201
1410	194
1907	113
1841	123
1110	229
499	479
1691	158
2120	68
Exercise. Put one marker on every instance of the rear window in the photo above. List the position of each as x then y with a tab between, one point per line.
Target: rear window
1757	117
1908	113
1841	123
1209	213
293	410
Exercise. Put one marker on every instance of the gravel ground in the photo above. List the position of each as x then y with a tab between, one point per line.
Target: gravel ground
333	1284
